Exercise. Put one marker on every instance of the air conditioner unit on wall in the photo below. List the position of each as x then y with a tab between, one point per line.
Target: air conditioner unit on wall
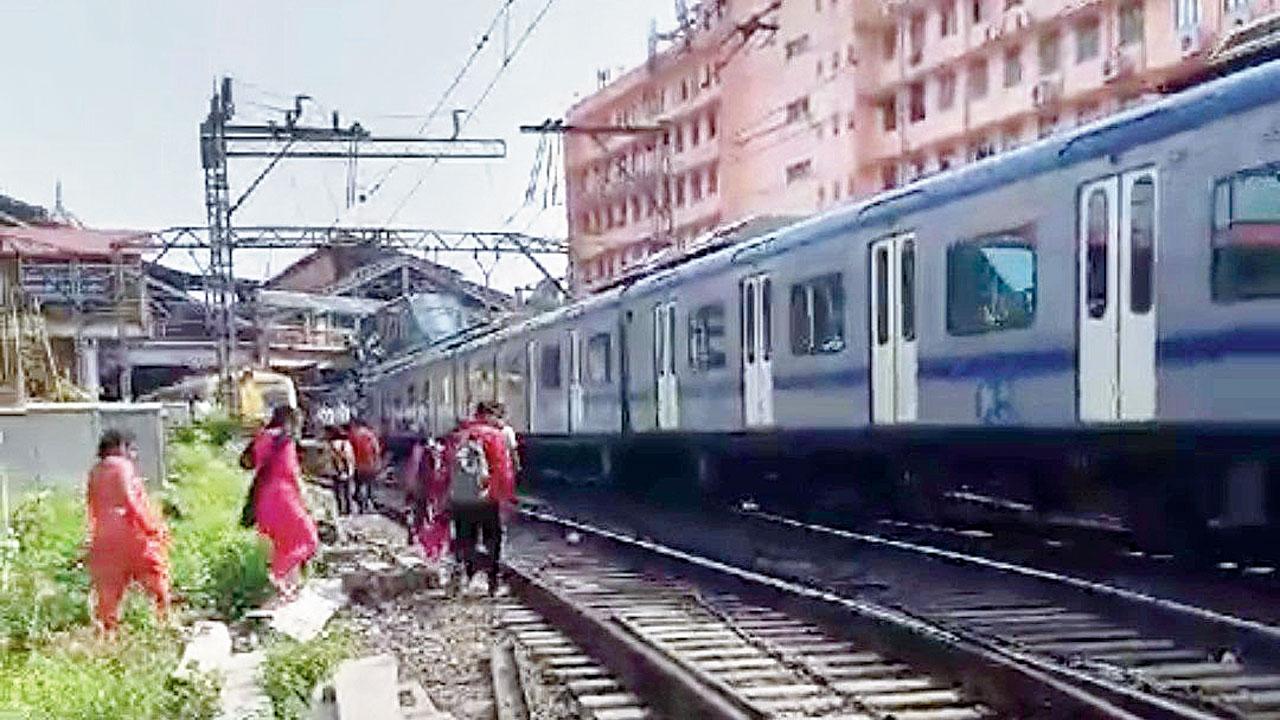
1047	91
1117	66
1237	15
1192	40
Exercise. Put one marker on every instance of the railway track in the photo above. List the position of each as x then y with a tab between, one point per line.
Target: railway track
708	656
1208	660
629	641
761	647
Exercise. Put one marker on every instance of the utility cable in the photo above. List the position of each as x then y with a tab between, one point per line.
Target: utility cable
471	111
485	37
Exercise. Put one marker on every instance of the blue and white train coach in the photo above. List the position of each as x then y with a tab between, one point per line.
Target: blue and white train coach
1087	328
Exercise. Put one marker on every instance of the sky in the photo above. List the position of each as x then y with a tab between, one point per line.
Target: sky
106	96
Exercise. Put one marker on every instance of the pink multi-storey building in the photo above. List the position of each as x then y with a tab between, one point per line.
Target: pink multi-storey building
788	107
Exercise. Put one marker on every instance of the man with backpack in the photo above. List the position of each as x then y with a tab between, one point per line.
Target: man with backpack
481	482
368	454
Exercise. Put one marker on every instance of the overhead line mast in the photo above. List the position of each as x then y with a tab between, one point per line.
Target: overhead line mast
220	141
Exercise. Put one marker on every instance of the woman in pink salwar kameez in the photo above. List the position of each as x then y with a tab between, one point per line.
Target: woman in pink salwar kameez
279	512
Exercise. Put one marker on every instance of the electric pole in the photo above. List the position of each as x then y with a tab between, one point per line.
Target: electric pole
220	141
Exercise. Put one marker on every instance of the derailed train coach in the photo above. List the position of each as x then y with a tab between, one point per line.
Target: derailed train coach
1085	330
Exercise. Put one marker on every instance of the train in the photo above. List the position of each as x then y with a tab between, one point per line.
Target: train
1083	332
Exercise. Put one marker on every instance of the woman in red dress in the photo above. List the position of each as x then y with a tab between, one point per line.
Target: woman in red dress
279	512
128	541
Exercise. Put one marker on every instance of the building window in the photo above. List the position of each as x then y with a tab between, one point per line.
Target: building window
600	359
915	34
1050	43
822	196
796	47
799	171
549	367
706	338
991	284
1012	67
946	90
695	133
713	121
917	109
797	109
679	190
1187	14
817	316
890	43
1131	23
713	180
977	79
695	185
835	124
835	190
889	113
888	177
947	21
944	159
978	10
1246	256
1088	37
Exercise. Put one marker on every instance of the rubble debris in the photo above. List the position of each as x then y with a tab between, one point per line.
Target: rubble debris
242	695
305	617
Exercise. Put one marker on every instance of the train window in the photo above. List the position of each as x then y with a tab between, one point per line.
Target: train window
1246	237
706	338
599	359
766	307
749	320
549	367
1096	255
817	316
909	291
1142	228
991	285
882	296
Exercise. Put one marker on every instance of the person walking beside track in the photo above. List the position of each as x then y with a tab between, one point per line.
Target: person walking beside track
341	466
127	540
368	451
481	487
426	492
276	505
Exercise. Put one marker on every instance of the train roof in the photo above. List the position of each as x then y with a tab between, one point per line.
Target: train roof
1186	110
1168	116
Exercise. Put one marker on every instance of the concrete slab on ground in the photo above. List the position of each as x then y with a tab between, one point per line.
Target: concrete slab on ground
242	697
305	617
368	689
208	651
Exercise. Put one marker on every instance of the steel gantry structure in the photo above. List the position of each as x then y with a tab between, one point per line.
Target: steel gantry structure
220	141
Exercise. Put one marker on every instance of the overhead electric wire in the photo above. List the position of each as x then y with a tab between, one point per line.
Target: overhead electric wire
475	106
485	37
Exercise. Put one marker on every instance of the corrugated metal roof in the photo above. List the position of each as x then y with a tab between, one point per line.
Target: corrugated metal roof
67	242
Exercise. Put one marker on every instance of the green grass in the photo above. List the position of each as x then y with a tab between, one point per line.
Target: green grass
293	669
51	664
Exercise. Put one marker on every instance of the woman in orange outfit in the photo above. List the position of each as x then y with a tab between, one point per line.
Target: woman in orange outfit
279	511
127	541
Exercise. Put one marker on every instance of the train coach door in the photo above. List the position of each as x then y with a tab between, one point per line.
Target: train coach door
575	381
757	342
666	387
1117	346
894	357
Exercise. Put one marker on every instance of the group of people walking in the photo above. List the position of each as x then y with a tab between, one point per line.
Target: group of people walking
460	488
460	491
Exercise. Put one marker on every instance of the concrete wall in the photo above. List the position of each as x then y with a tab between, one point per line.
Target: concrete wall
54	444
